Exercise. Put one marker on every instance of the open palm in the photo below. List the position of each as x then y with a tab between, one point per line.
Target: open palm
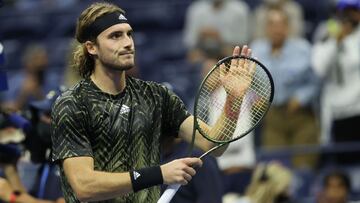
237	76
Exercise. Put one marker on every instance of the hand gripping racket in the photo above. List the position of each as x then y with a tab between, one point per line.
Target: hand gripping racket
231	101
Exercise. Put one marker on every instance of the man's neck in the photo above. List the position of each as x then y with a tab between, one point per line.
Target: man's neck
276	49
109	81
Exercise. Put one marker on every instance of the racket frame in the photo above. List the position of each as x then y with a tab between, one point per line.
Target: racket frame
216	66
172	189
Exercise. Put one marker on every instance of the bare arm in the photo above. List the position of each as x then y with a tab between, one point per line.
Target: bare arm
13	177
186	130
91	185
323	57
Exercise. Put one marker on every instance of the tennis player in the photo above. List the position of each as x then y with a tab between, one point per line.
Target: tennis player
106	130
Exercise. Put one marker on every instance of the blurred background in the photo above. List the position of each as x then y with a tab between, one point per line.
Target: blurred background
311	47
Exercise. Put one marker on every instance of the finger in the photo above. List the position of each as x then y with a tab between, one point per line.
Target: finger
235	62
193	162
187	177
184	182
244	50
252	67
236	51
249	52
181	179
223	70
190	171
247	62
242	63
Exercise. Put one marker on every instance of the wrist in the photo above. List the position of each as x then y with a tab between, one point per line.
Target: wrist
146	177
232	109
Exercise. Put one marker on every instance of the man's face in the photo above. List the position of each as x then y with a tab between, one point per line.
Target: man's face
336	190
277	27
37	62
115	47
350	16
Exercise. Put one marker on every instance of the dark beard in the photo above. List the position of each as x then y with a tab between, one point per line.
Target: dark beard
124	67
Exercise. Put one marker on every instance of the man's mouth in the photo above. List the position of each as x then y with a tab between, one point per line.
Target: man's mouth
126	53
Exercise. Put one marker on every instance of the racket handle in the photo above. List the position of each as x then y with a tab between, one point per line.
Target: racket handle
169	193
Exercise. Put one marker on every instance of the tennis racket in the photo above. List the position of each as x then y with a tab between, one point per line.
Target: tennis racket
231	101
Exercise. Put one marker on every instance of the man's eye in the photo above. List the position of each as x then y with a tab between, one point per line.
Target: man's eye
115	36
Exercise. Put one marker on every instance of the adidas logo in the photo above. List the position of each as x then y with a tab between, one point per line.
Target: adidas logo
136	175
124	109
122	17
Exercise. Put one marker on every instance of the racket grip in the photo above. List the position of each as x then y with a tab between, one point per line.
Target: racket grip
169	193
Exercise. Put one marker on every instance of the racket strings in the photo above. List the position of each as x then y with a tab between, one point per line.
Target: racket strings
252	105
226	133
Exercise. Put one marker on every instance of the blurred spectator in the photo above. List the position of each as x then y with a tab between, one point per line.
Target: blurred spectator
44	4
210	24
336	188
237	164
290	7
329	27
11	173
32	82
37	142
336	61
206	185
270	183
8	136
8	194
290	120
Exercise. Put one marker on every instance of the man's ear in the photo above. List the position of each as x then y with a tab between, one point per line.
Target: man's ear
91	48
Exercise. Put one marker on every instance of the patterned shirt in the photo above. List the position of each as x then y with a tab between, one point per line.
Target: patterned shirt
120	132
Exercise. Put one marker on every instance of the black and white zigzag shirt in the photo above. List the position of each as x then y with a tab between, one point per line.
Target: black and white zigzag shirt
120	132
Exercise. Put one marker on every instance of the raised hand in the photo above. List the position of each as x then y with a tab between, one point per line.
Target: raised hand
237	76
